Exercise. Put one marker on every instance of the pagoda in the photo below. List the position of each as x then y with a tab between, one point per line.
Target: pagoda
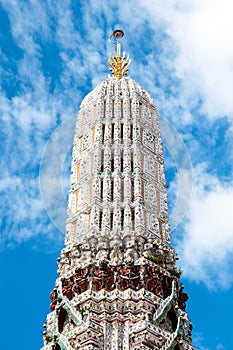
118	286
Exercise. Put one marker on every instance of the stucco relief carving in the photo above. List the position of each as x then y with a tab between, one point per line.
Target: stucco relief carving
75	196
108	132
161	175
166	230
98	133
95	216
139	216
163	203
76	254
84	194
100	109
86	140
127	217
137	187
131	250
82	223
117	108
97	162
89	113
117	131
106	218
107	158
137	159
116	247
85	166
150	164
149	139
154	224
96	186
117	187
117	160
107	187
117	217
150	193
109	108
127	159
127	187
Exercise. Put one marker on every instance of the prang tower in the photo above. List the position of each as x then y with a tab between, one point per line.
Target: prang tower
118	286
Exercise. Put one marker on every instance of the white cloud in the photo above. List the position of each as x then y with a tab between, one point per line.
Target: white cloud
51	168
198	340
25	125
202	39
207	246
22	213
180	190
220	347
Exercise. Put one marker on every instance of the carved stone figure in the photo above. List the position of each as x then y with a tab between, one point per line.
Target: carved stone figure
67	287
116	252
53	296
75	254
182	298
148	249
169	258
100	275
102	253
86	251
129	275
80	280
131	250
167	286
155	280
64	262
102	247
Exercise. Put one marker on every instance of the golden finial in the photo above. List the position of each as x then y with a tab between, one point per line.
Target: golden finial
118	64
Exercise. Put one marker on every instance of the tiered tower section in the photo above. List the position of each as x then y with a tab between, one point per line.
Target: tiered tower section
118	287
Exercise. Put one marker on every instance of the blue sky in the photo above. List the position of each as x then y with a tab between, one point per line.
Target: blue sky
51	54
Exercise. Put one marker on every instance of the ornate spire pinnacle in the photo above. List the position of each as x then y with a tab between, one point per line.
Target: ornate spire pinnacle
118	64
